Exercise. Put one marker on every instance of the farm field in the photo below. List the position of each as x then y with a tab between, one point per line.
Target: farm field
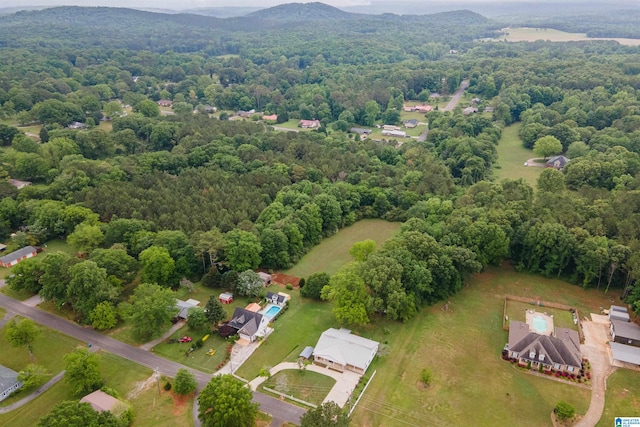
462	348
533	34
622	397
511	158
333	252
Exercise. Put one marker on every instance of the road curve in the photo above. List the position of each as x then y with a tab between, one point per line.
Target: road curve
269	405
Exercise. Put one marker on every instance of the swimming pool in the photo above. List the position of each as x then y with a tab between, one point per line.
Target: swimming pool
270	311
539	324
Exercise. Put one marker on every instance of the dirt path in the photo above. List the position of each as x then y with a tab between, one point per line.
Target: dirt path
595	349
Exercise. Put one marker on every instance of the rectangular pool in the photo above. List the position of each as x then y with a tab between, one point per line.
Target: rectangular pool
270	311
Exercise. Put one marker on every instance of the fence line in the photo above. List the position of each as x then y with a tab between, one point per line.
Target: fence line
304	402
362	394
540	303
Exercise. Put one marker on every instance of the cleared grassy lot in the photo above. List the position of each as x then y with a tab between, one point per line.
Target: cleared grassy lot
309	386
333	252
198	359
622	398
511	158
472	385
533	34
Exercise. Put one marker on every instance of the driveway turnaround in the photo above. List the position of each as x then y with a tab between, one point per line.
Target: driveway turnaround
284	411
340	393
595	349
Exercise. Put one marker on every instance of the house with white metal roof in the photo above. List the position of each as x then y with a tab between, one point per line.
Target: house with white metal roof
339	349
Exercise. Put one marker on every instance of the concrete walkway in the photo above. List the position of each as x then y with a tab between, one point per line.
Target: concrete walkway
340	393
595	348
239	354
6	318
33	395
148	346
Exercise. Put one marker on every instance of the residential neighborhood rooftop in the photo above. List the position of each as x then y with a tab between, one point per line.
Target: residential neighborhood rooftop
341	346
16	255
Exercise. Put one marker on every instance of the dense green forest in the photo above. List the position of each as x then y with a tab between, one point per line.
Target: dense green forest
188	195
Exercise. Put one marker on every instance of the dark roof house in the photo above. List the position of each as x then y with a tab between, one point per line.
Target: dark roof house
557	162
250	325
560	351
625	332
360	131
8	382
276	299
411	123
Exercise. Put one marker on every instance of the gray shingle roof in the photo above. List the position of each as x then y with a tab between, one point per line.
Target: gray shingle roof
9	258
626	329
8	378
245	321
563	348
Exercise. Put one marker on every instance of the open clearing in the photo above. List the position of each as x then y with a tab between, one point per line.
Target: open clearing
622	397
472	385
306	385
548	34
333	252
511	158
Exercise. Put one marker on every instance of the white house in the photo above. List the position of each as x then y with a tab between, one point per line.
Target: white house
276	299
339	349
249	324
8	382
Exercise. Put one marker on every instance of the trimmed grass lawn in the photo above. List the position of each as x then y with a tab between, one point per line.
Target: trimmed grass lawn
472	385
511	158
2	312
333	252
309	386
298	327
561	318
59	245
197	359
29	414
622	398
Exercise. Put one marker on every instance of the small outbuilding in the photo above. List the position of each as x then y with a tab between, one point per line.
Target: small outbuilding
226	298
276	299
306	353
184	307
557	162
625	354
265	277
102	402
627	333
15	257
618	308
619	315
8	382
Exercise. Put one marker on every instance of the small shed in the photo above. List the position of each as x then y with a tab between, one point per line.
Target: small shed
266	278
226	298
276	299
618	315
102	402
307	352
618	308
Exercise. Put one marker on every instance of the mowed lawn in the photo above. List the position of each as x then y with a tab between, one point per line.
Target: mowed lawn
561	318
333	252
511	158
309	386
471	385
622	397
298	327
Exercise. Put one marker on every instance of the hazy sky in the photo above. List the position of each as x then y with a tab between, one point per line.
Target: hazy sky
184	4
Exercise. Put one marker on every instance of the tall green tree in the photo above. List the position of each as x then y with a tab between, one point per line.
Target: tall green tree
185	382
226	402
242	250
22	333
214	311
86	237
157	266
150	310
82	371
71	413
89	286
249	284
328	414
348	292
547	146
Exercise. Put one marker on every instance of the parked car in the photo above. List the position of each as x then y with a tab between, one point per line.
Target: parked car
185	339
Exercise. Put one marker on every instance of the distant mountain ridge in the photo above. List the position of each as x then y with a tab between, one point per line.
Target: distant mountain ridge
303	11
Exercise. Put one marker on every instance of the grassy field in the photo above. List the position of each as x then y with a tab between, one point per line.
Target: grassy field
533	34
309	386
472	385
561	318
300	326
622	397
333	252
511	158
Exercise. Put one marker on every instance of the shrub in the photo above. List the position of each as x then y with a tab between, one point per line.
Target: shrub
167	386
301	283
564	411
426	376
289	286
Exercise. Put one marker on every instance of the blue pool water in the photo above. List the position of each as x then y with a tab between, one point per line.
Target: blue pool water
539	324
271	312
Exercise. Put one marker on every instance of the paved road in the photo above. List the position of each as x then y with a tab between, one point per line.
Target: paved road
283	410
595	349
457	95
